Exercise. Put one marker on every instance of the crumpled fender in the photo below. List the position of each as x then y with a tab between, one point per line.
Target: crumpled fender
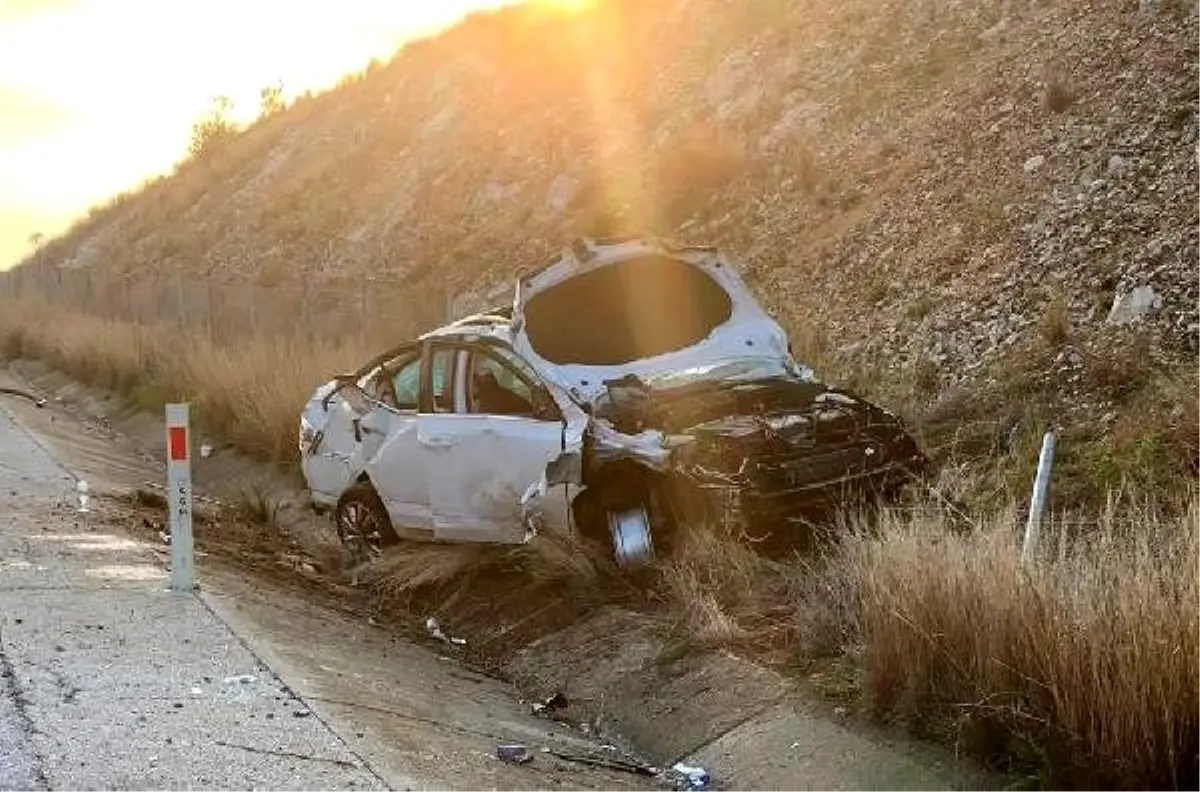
649	447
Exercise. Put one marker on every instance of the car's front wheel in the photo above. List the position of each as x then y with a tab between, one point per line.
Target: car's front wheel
363	525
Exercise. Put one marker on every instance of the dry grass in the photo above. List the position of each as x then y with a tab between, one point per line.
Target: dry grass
1079	670
1058	96
714	586
259	506
431	575
1055	324
1082	668
251	394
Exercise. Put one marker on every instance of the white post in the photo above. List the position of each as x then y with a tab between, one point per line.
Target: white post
179	497
1037	503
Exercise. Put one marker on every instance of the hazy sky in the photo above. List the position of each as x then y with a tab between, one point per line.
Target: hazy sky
98	95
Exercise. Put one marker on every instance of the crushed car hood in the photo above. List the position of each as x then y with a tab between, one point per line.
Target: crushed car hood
665	315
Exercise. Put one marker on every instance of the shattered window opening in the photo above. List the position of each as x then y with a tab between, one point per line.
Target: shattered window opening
635	309
406	385
497	389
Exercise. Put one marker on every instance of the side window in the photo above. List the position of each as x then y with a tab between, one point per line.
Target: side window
496	389
406	385
441	375
514	360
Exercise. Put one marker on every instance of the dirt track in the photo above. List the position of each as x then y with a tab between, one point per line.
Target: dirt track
415	707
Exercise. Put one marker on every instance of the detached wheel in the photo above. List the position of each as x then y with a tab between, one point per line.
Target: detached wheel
363	525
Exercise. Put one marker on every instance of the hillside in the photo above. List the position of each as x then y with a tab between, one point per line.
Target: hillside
930	194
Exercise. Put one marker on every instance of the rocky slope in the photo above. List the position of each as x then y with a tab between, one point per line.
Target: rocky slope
916	185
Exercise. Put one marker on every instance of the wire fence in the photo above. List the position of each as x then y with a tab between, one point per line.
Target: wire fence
227	307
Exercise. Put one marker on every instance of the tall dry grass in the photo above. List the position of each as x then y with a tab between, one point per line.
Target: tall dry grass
251	393
1080	669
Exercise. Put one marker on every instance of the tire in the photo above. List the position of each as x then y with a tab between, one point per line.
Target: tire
362	522
618	514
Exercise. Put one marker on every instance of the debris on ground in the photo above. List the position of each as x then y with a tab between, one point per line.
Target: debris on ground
547	708
690	777
612	763
435	629
38	402
81	488
513	754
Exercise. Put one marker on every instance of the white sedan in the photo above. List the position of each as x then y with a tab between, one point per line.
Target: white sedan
631	385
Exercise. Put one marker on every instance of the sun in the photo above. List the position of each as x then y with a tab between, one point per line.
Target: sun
568	5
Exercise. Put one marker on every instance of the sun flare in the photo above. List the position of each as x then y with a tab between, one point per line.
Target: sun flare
98	95
568	5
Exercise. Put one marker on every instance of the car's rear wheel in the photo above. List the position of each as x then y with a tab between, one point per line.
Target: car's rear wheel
363	525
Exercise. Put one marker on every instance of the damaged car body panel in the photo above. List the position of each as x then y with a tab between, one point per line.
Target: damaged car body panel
636	308
632	385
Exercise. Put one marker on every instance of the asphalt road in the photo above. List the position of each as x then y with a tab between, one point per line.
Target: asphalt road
110	681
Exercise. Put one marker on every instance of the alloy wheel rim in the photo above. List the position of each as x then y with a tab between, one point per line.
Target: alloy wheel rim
359	529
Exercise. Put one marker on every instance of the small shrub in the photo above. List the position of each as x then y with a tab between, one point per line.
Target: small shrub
1058	96
919	308
714	584
1120	369
259	506
270	100
926	377
1055	325
213	130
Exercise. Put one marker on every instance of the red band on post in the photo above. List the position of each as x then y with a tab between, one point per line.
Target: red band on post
177	450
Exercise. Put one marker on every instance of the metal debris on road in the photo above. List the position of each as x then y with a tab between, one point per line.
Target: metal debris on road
38	402
241	679
692	777
81	487
435	629
624	765
514	754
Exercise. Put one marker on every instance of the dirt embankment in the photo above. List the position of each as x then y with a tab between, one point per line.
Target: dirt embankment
623	676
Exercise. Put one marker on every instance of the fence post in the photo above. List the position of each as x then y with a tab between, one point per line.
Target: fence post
305	308
253	286
180	308
208	302
1037	503
362	307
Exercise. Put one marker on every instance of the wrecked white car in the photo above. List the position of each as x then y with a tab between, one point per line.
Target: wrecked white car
630	386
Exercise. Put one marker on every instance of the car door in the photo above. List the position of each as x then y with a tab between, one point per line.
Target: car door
393	461
487	450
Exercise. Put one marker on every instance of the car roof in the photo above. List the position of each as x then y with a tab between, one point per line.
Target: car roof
483	325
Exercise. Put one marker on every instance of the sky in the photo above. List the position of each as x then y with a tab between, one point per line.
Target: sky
96	96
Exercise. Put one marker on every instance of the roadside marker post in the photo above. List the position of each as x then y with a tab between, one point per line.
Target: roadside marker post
1037	501
179	498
